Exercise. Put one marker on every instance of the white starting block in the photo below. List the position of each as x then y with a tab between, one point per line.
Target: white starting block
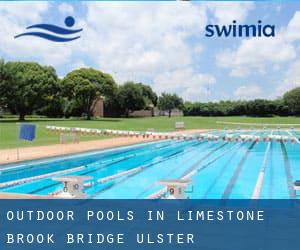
73	186
176	188
296	186
73	137
179	125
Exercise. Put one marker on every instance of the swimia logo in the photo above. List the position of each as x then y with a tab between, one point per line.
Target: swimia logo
52	32
240	30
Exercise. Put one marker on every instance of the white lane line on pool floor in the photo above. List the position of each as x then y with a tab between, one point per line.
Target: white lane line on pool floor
188	174
261	175
151	164
232	182
158	194
196	170
118	159
238	152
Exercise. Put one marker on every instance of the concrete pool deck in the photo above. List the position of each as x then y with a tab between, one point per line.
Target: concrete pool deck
31	153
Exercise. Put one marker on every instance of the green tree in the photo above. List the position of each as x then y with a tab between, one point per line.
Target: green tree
281	107
84	85
131	98
149	94
26	86
292	100
3	83
167	102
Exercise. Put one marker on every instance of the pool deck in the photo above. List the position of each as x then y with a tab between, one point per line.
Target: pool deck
31	153
24	196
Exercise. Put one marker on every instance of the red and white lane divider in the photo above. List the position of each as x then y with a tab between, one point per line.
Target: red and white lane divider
229	137
118	175
293	138
34	178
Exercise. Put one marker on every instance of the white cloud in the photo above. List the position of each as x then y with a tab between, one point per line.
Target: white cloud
65	8
188	84
79	64
151	43
293	28
14	18
292	75
291	80
23	11
226	12
247	92
255	54
141	38
131	41
198	49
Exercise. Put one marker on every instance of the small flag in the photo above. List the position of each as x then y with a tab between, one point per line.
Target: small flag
27	132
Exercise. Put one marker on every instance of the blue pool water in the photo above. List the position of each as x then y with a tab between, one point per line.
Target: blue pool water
221	169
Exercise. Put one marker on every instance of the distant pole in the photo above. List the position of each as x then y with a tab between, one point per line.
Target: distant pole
17	141
207	91
115	75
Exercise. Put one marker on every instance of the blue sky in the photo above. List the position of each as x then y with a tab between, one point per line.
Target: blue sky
163	44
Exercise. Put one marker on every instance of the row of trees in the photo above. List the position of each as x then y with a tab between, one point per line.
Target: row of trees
288	105
27	88
257	107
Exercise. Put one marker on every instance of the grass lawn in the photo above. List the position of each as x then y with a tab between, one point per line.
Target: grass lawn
9	127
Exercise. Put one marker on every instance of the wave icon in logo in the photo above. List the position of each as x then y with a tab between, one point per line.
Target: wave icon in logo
60	34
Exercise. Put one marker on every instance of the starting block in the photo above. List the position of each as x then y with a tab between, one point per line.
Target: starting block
73	186
179	125
73	137
176	188
296	186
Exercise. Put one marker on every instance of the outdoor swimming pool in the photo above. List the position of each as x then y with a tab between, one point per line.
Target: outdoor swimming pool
218	169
